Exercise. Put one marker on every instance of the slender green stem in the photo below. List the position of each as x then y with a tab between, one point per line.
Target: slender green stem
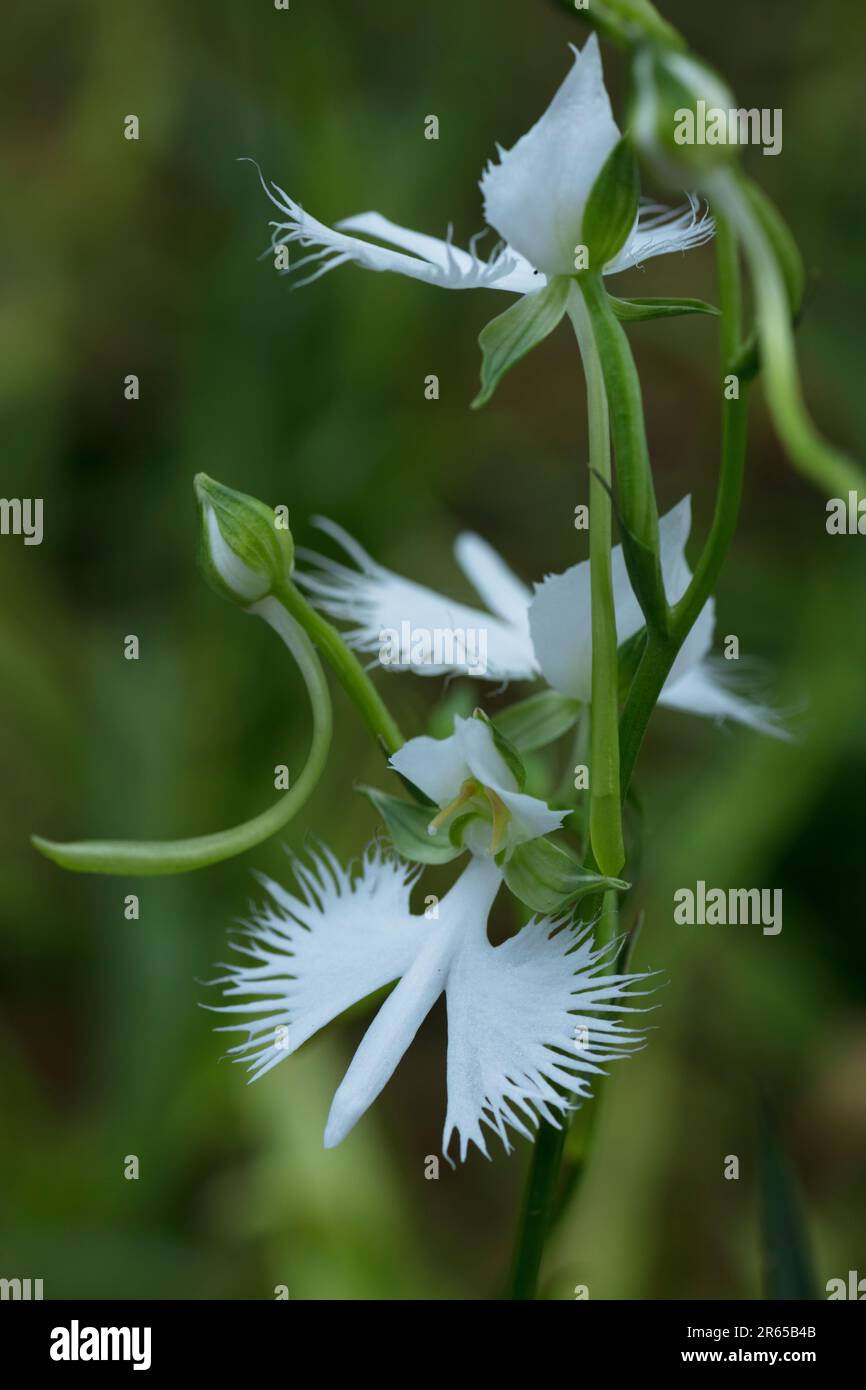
538	1205
826	466
607	849
151	857
549	1190
605	817
345	666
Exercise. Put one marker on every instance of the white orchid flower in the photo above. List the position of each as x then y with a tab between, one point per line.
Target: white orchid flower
465	773
547	633
529	1022
534	197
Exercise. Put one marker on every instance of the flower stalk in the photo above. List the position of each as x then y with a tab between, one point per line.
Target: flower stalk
151	857
605	820
549	1189
247	557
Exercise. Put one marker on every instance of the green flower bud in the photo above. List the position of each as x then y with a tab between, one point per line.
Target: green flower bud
245	547
680	115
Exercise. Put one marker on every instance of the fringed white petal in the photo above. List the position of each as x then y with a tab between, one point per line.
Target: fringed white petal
659	231
436	262
407	626
311	955
530	1022
505	269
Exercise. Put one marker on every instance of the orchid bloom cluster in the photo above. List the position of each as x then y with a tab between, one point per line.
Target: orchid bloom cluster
514	1011
532	1022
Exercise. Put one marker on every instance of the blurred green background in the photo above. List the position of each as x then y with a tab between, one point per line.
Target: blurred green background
125	257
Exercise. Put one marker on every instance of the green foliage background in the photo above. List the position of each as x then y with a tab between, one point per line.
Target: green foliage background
141	257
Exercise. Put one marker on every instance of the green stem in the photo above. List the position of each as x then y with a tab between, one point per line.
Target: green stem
547	1193
661	651
178	856
830	469
538	1205
345	666
605	817
607	849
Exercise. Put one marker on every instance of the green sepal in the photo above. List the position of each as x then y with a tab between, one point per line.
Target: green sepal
505	748
539	720
407	825
510	336
640	310
612	206
547	878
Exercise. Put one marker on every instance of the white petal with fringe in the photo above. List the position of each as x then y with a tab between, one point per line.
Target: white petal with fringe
530	1022
547	632
534	197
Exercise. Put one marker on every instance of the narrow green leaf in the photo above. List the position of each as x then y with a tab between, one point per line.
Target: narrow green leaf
787	1261
510	336
612	206
639	310
547	878
539	720
407	825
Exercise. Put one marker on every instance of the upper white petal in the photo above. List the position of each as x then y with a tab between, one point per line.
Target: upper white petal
492	579
481	755
560	621
437	765
560	614
536	194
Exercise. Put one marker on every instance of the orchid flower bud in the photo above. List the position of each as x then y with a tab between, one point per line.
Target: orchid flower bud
245	547
680	114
